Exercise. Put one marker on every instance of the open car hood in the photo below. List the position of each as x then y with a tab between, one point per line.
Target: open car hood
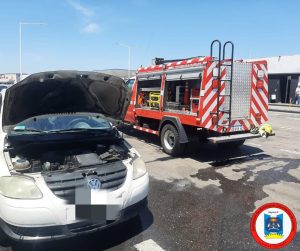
65	92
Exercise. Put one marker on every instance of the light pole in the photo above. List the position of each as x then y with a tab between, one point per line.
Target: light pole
20	41
129	57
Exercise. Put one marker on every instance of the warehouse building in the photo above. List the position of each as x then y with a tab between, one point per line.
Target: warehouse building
284	75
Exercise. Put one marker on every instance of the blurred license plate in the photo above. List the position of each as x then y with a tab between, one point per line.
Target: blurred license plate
237	128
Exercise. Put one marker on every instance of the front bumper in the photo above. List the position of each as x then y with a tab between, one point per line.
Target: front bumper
50	233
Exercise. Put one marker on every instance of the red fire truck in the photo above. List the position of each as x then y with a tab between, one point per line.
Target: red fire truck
207	98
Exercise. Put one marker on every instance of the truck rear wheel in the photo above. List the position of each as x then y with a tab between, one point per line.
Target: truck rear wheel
232	144
169	138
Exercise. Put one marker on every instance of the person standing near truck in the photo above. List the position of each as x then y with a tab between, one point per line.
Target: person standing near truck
297	94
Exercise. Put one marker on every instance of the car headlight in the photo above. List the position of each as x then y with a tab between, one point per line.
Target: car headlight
18	187
139	168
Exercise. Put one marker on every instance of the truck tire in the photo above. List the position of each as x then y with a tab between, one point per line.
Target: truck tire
169	138
232	144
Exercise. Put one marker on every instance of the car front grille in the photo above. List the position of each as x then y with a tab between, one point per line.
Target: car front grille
37	231
59	230
63	184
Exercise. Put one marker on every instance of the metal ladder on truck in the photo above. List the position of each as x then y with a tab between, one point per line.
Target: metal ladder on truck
228	63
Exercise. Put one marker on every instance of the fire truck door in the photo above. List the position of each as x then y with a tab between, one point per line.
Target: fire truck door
130	114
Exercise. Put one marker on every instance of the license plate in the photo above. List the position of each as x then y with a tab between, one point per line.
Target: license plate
237	128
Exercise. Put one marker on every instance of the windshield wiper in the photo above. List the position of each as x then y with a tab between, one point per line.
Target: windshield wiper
79	130
28	130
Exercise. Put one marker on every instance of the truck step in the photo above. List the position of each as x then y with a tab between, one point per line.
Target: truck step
228	138
235	137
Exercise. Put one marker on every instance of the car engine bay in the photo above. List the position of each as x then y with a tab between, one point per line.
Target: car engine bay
45	157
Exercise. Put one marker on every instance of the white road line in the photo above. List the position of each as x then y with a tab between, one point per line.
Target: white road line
289	151
286	128
148	245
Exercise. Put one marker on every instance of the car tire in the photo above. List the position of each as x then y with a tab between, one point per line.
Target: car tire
169	138
4	240
232	144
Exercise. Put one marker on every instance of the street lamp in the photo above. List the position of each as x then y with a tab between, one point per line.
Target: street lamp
129	57
20	41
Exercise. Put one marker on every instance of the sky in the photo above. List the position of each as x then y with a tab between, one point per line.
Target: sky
86	34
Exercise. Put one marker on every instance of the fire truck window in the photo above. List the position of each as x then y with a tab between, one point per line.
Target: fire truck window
130	83
182	95
148	94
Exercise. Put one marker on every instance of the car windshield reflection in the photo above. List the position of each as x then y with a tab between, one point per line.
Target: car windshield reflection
62	123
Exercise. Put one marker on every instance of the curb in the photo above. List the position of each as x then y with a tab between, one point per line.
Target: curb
286	110
284	105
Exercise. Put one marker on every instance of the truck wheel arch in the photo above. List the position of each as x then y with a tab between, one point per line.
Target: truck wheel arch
183	138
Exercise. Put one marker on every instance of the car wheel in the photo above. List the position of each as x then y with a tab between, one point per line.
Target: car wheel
4	240
169	138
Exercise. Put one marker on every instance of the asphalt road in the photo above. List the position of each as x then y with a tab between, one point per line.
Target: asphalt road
204	200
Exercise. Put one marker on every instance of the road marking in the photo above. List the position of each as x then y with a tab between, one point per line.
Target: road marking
289	151
286	128
148	245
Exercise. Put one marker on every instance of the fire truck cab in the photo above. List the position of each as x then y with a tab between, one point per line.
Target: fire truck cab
209	98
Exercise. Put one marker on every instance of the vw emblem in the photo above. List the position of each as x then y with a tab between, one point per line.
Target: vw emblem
94	183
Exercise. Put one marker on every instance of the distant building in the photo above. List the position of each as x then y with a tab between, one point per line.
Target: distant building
284	75
122	73
11	78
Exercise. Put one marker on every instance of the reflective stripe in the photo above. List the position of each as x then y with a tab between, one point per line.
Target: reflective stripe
145	130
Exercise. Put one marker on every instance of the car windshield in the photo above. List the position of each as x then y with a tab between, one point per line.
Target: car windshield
62	123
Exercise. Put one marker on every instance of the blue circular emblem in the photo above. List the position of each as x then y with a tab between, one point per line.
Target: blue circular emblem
94	184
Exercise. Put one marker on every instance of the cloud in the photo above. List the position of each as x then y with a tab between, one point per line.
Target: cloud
88	16
83	10
91	28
